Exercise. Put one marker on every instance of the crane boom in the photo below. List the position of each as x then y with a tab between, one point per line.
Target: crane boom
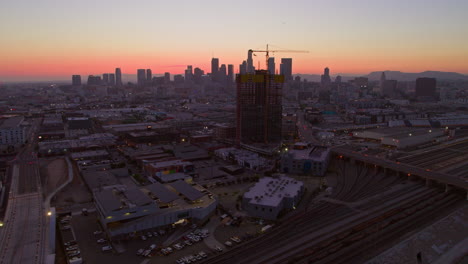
267	52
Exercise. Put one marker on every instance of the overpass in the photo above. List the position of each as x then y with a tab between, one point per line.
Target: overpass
393	166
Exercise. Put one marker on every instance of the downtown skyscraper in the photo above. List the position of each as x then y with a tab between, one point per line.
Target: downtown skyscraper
118	77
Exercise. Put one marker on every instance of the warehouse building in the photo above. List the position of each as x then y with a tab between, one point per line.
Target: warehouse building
272	195
126	211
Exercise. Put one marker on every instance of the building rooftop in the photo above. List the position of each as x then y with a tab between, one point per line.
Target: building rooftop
161	192
307	151
11	122
270	191
187	190
99	179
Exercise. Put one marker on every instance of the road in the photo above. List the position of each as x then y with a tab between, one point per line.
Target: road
22	237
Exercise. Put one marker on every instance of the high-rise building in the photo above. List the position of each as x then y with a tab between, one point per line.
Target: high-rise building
76	80
189	73
382	81
214	69
222	74
243	68
271	65
197	75
338	79
250	66
94	80
426	87
118	77
167	77
230	73
286	68
325	79
105	78
259	109
111	79
141	77
149	76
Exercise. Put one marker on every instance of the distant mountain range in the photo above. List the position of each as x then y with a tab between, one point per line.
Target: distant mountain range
406	76
393	75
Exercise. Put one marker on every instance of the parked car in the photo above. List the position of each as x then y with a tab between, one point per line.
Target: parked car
218	248
69	243
236	239
106	248
140	251
101	241
143	238
97	232
75	247
228	243
202	254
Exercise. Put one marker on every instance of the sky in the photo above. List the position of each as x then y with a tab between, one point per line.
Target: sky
53	39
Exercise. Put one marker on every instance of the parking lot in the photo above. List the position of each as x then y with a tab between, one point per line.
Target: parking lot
126	252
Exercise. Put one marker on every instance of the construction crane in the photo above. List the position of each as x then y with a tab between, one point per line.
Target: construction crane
267	53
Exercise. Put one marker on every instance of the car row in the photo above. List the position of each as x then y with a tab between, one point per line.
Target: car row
192	258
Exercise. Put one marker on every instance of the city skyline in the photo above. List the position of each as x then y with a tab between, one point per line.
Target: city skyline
61	39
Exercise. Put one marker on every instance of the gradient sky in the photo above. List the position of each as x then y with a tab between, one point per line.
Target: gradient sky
54	39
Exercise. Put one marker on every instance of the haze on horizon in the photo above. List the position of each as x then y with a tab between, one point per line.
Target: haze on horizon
55	39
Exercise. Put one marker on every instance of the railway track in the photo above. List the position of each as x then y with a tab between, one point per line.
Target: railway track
329	228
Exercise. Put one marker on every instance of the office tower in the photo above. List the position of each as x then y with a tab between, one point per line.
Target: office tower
105	78
141	77
230	73
111	79
250	66
389	88
214	69
259	109
94	80
167	77
271	65
149	76
286	68
197	75
188	73
118	77
338	79
426	87
76	80
325	79
178	78
382	81
243	68
222	73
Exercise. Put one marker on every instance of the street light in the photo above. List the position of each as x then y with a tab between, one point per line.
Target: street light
49	213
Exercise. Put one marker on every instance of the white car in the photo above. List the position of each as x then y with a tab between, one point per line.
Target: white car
101	241
228	243
140	251
106	248
97	232
143	238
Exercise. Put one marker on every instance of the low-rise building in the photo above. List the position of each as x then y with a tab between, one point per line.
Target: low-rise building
12	132
122	211
272	195
306	159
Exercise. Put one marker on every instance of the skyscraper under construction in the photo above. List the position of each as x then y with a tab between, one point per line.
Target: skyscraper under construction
259	109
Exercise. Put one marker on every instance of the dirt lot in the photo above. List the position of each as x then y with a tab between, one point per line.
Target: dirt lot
74	193
53	174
